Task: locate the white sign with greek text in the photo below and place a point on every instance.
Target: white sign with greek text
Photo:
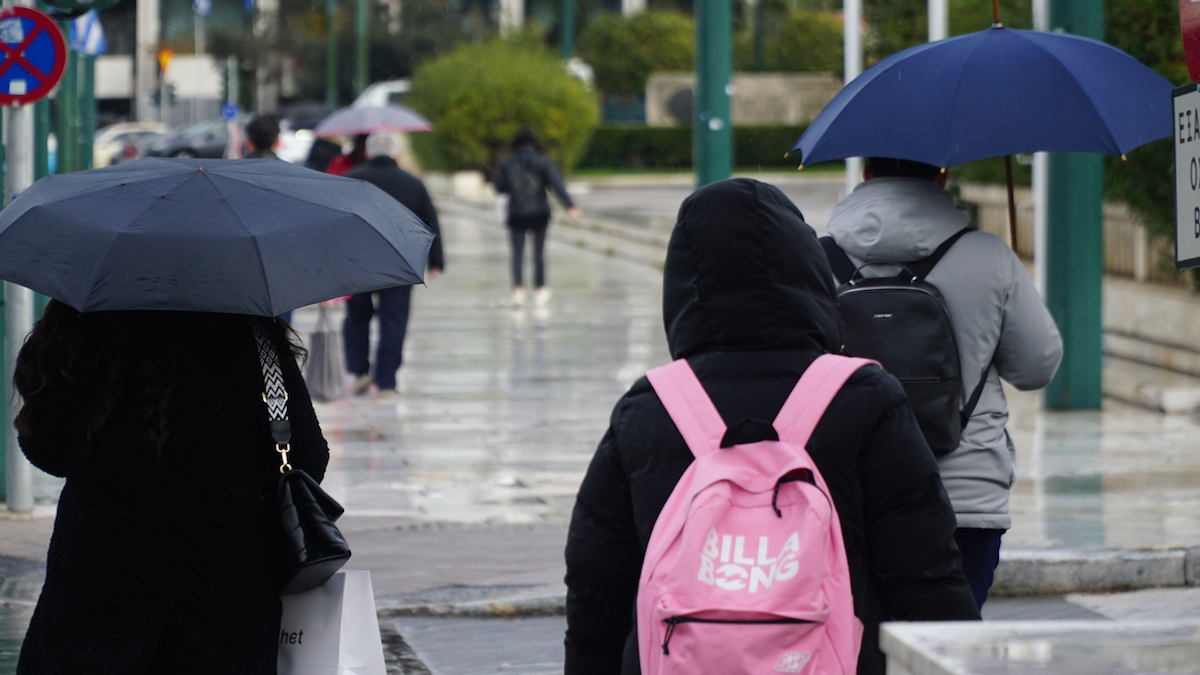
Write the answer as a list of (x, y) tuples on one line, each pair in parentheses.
[(1187, 176)]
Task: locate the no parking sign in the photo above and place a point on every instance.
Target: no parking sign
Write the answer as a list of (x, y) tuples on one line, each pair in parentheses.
[(33, 54)]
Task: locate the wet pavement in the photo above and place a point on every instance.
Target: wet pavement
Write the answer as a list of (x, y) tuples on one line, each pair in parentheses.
[(458, 490)]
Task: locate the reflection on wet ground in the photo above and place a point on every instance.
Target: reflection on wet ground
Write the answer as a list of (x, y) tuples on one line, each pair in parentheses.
[(14, 618), (501, 409)]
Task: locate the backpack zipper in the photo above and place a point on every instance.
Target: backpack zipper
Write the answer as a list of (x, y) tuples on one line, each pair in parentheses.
[(673, 621), (802, 475)]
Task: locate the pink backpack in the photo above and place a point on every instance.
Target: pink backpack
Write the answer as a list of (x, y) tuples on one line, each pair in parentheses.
[(746, 569)]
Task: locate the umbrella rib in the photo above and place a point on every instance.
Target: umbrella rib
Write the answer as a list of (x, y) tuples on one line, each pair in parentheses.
[(261, 263), (1084, 90)]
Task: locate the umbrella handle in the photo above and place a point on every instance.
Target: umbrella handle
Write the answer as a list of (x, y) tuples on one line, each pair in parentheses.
[(1012, 203)]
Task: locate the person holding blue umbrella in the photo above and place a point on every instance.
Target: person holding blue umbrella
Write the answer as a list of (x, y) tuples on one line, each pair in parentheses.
[(902, 214)]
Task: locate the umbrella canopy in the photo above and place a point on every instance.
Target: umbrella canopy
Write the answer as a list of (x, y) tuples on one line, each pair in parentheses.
[(370, 119), (996, 92), (254, 236)]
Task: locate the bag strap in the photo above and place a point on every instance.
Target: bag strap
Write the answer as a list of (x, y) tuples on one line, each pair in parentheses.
[(689, 406), (812, 395), (274, 394), (843, 268), (965, 414), (922, 268)]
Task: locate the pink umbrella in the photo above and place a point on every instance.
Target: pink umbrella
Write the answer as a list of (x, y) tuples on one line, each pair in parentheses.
[(371, 119)]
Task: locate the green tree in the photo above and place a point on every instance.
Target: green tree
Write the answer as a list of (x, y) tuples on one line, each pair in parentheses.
[(807, 42), (625, 51), (479, 95), (896, 25), (1149, 32)]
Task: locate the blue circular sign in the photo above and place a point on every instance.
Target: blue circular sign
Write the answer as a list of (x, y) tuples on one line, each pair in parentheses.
[(33, 54)]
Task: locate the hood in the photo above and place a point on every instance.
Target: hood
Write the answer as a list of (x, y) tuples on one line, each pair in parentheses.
[(745, 272), (894, 220)]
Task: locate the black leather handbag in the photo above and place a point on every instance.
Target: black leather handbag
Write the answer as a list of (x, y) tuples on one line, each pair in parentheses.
[(310, 546)]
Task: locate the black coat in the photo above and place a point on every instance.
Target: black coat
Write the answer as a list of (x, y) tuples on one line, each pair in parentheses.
[(162, 563), (748, 300), (385, 174), (525, 176)]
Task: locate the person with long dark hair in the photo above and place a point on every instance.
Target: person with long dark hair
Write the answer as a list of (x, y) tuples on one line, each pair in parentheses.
[(341, 164), (161, 557), (525, 176)]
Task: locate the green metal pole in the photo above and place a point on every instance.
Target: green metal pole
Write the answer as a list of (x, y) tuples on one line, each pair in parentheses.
[(65, 112), (712, 134), (760, 32), (361, 44), (566, 29), (41, 139), (87, 112), (1075, 245), (331, 53)]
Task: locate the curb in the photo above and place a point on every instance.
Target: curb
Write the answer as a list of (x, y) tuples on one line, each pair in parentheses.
[(1060, 571), (552, 604)]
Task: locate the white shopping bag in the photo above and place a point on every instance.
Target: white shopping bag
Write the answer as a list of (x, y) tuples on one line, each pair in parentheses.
[(332, 630)]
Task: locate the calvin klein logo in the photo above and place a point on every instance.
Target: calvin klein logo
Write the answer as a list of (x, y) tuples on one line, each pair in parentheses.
[(882, 315)]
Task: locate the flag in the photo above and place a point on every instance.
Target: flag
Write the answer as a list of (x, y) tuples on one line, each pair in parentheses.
[(87, 35)]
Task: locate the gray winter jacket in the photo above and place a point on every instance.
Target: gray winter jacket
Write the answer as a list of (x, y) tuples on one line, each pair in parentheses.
[(997, 313)]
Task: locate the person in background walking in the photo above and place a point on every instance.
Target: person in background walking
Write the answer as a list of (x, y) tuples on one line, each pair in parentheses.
[(382, 171), (341, 165), (162, 557), (524, 176), (748, 300), (902, 213), (262, 137)]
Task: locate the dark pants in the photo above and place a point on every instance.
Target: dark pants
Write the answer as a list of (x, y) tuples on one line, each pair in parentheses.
[(393, 323), (980, 554), (516, 232)]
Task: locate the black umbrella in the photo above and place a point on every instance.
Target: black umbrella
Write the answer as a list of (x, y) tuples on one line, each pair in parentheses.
[(254, 236)]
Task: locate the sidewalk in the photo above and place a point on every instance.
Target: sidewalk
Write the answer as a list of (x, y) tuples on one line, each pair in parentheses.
[(459, 491)]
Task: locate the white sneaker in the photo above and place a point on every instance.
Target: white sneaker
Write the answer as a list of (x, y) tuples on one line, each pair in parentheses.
[(518, 297), (361, 384), (541, 296)]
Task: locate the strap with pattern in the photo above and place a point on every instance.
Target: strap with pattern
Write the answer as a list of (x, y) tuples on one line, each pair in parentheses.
[(274, 394)]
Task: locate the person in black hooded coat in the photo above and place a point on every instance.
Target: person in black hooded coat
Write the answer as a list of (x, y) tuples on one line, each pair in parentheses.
[(748, 300)]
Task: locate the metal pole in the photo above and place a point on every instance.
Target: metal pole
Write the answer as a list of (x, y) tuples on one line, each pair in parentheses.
[(1041, 21), (41, 139), (852, 64), (938, 20), (18, 303), (566, 32), (198, 29), (1075, 245), (361, 44), (66, 112), (712, 141), (760, 35), (235, 80), (331, 53), (87, 112)]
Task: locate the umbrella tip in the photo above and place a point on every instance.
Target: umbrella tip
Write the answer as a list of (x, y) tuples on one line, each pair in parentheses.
[(1124, 158), (800, 168), (785, 155), (943, 170)]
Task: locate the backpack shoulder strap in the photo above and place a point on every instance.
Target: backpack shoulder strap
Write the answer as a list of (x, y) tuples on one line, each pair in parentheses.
[(839, 262), (689, 406), (807, 403), (922, 268)]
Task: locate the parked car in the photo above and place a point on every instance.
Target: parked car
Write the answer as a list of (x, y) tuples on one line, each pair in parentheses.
[(205, 139), (111, 141), (296, 123)]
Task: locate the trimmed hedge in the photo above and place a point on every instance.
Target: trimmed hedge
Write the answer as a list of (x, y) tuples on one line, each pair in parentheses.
[(638, 147)]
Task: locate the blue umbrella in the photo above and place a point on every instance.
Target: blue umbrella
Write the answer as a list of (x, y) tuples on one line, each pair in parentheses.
[(242, 236), (997, 92)]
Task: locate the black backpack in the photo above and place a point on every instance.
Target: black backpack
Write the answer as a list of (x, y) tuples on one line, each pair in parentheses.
[(903, 323)]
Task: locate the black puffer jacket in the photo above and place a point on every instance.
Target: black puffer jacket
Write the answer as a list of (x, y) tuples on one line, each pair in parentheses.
[(161, 561), (749, 302)]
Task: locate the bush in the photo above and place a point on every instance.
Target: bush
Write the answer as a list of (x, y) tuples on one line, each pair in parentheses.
[(803, 41), (613, 147), (478, 96), (625, 51)]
